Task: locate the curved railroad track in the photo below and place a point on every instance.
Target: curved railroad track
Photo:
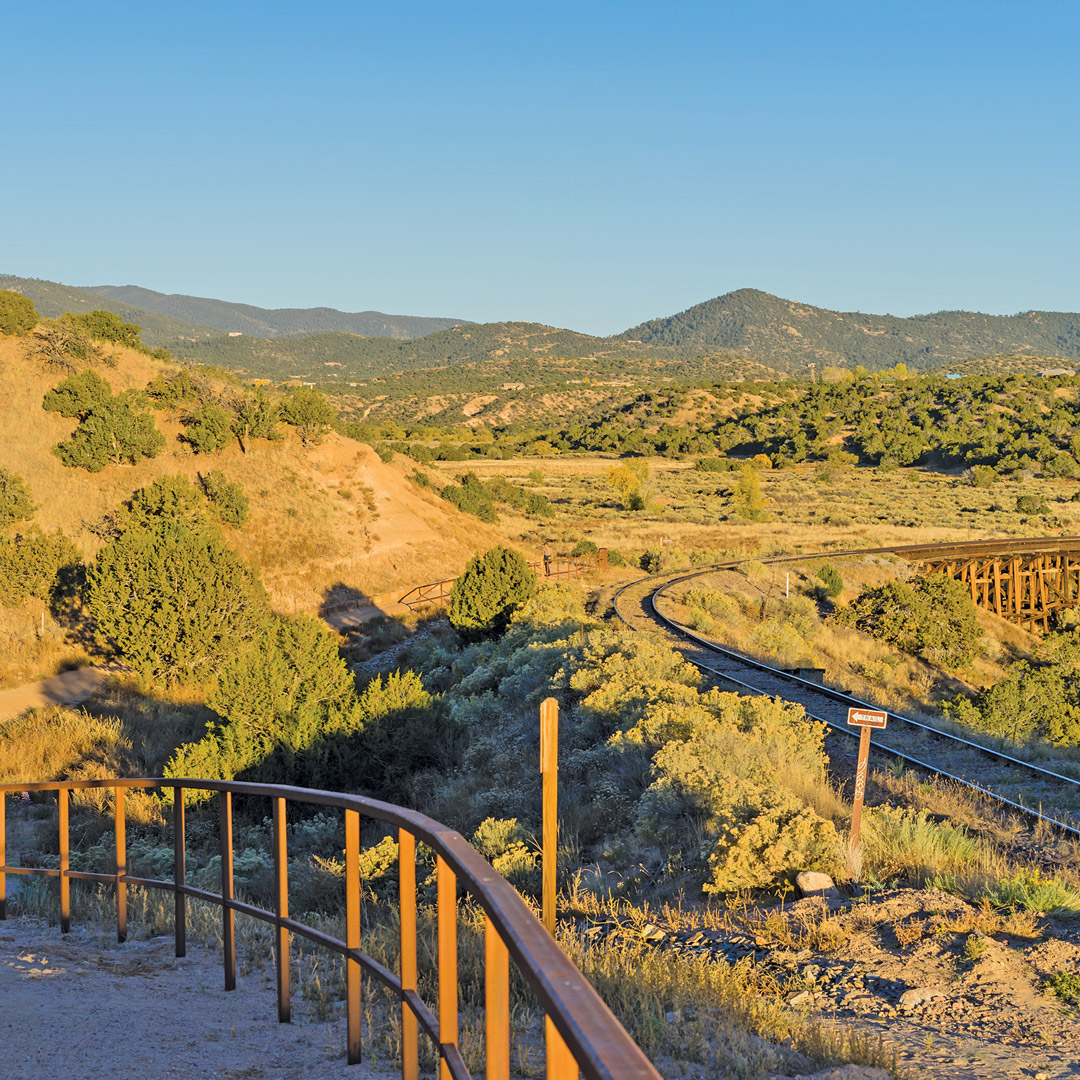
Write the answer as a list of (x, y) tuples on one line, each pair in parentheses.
[(1032, 790)]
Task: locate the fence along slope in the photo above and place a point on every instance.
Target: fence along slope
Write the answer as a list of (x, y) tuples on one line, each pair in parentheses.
[(596, 1041)]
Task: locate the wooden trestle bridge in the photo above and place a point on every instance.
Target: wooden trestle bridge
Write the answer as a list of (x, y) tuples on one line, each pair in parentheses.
[(1024, 581)]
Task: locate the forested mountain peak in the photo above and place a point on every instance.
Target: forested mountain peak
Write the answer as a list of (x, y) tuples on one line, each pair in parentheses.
[(792, 334)]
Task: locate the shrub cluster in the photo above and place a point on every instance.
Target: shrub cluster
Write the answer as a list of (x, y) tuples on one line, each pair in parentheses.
[(932, 617), (112, 430), (17, 313)]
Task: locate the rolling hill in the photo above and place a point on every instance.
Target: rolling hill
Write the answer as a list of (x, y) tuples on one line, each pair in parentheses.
[(790, 335), (709, 340), (325, 521), (272, 322)]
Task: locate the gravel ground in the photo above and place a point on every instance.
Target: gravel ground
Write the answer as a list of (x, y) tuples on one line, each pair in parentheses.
[(82, 1006)]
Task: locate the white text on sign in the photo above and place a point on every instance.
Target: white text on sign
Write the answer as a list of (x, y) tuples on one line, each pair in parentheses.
[(871, 718)]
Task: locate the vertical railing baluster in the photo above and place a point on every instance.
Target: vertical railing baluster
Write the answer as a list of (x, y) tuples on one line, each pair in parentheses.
[(179, 873), (446, 893), (496, 1003), (65, 881), (352, 935), (3, 854), (560, 1062), (228, 916), (120, 821), (410, 1046), (281, 909)]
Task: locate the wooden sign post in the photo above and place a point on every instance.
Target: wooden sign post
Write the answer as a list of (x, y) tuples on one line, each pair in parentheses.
[(866, 720)]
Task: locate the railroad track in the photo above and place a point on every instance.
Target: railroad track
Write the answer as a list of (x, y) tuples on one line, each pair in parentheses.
[(1033, 790)]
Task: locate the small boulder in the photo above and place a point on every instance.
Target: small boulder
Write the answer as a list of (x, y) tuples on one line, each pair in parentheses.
[(918, 995), (814, 883)]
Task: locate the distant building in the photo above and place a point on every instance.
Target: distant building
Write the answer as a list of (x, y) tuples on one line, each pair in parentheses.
[(1050, 372), (235, 333)]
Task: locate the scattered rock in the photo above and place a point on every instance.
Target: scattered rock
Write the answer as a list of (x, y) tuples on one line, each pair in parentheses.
[(918, 995), (801, 997), (813, 883)]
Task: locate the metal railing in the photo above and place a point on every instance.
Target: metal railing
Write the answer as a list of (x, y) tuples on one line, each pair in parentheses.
[(581, 1032), (559, 566)]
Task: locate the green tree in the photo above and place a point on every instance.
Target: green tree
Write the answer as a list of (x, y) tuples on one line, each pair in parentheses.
[(749, 500), (17, 313), (176, 601), (255, 416), (16, 503), (107, 326), (227, 499), (78, 395), (36, 563), (309, 412), (114, 433), (208, 428), (831, 582), (492, 588), (932, 617)]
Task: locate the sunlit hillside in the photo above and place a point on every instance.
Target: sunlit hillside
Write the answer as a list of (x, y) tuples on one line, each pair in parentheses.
[(321, 516)]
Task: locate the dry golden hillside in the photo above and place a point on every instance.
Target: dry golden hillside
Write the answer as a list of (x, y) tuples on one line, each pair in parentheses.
[(324, 516)]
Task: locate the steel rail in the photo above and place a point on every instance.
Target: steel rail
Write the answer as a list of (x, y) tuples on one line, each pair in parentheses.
[(597, 1043), (892, 751), (1038, 544)]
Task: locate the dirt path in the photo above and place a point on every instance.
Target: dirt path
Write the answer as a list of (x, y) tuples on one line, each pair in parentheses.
[(81, 1006), (67, 688)]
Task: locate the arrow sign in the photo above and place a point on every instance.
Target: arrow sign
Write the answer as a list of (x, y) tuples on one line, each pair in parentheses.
[(871, 718)]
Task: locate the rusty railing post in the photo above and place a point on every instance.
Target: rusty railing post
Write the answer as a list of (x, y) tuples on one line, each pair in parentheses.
[(228, 916), (281, 910), (3, 854), (410, 1050), (65, 881), (179, 872), (121, 863), (496, 1003), (352, 935), (446, 893)]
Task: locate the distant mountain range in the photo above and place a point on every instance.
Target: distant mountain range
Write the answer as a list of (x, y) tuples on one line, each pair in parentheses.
[(325, 345), (272, 322), (170, 319)]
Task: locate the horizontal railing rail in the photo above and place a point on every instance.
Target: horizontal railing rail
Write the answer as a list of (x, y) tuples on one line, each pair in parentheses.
[(582, 1033)]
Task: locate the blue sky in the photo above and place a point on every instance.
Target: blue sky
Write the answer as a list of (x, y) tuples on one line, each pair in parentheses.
[(588, 165)]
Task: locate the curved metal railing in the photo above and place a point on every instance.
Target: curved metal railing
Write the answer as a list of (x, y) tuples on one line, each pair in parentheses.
[(581, 1032)]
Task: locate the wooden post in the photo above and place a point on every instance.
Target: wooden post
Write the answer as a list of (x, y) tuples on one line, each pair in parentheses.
[(65, 881), (496, 1004), (549, 778), (410, 1051), (121, 864), (446, 905), (3, 855), (560, 1063), (352, 934), (179, 872), (228, 916), (281, 910)]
